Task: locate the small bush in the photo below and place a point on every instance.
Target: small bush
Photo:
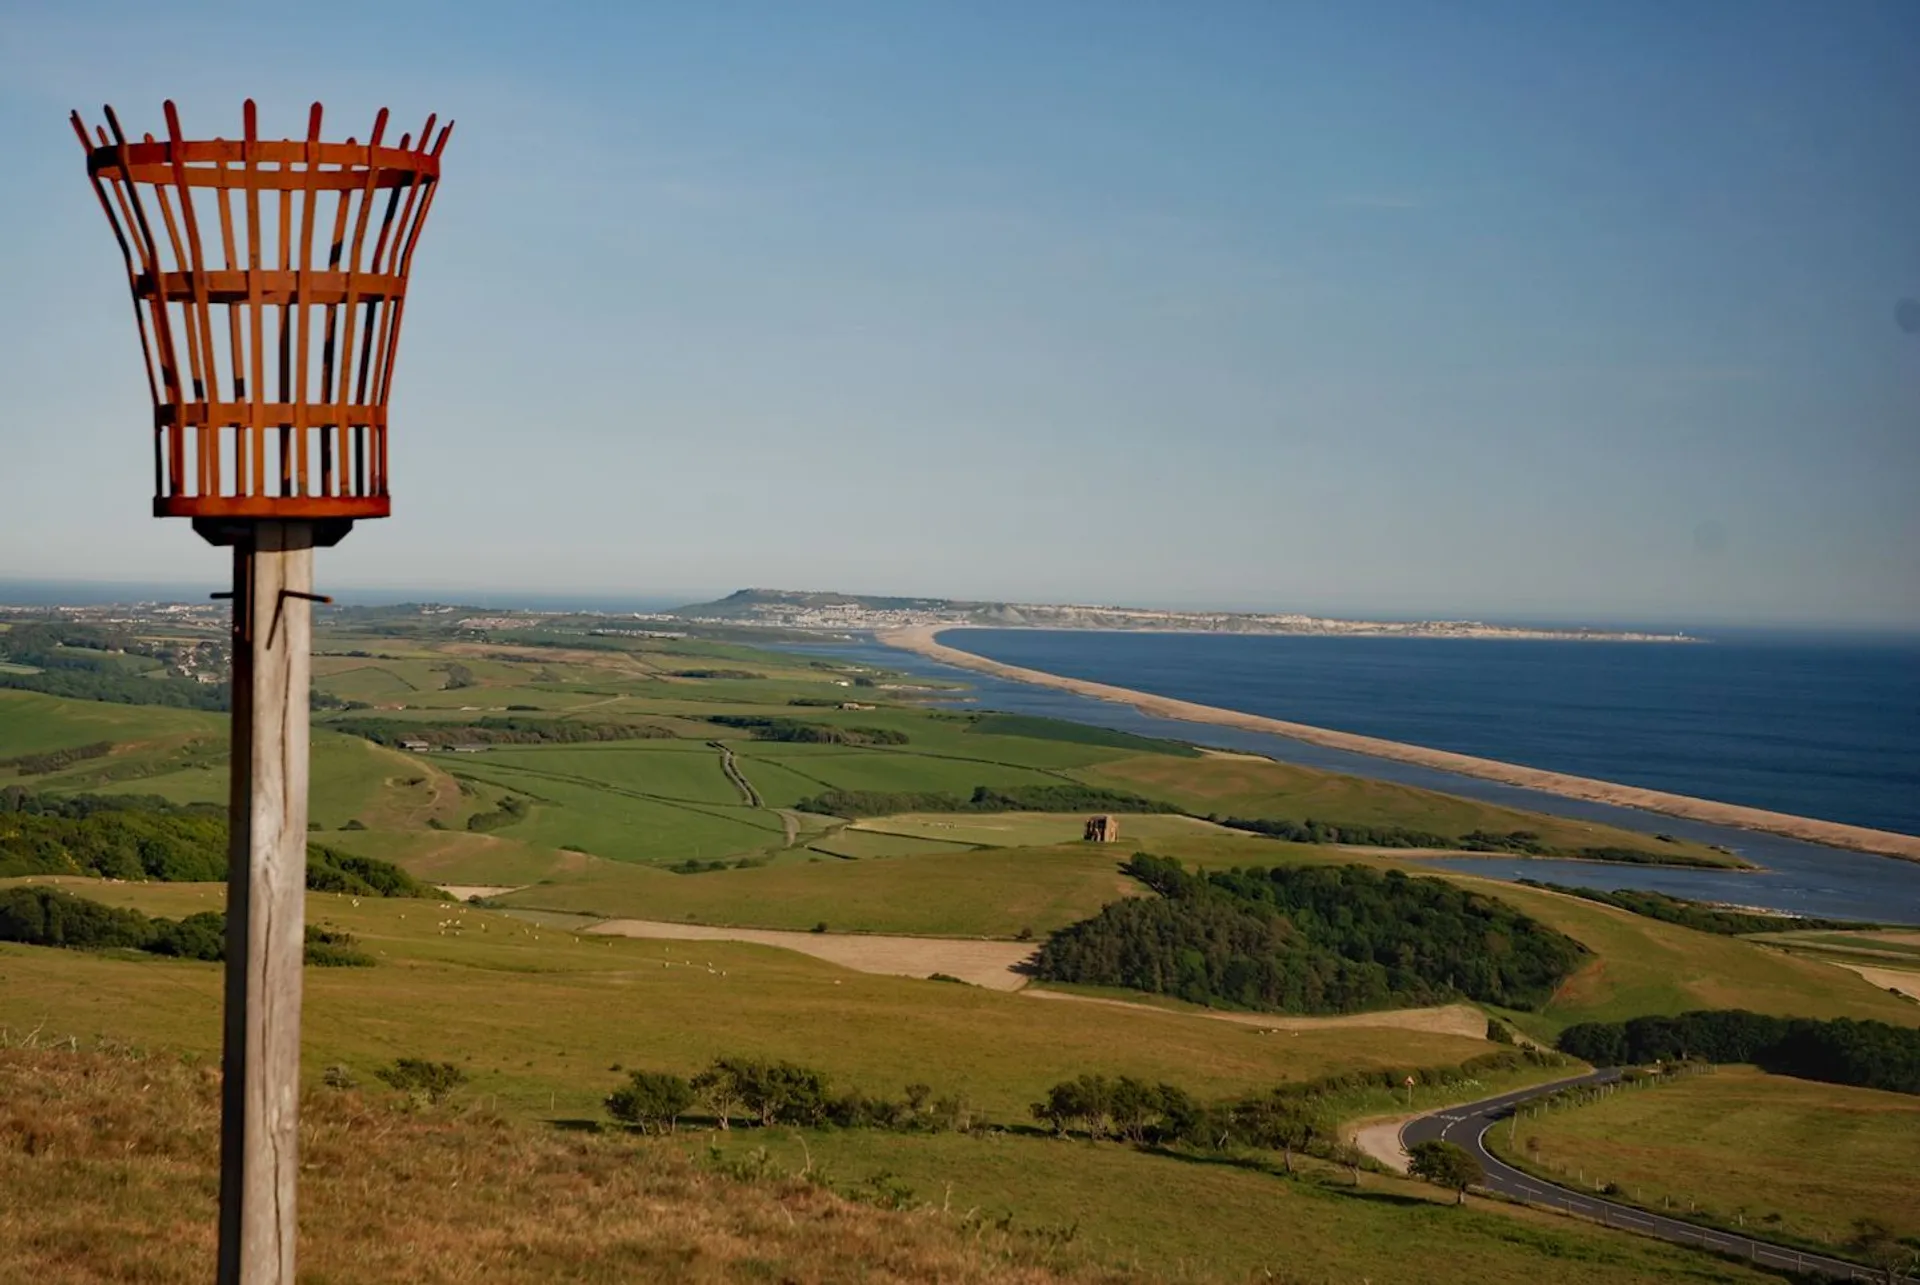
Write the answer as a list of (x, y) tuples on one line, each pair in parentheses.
[(331, 948), (653, 1100), (419, 1078)]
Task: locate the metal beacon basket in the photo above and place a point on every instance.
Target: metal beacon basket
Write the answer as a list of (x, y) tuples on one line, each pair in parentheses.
[(269, 282)]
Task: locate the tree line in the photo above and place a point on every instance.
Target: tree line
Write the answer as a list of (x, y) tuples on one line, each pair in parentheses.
[(495, 731), (55, 760), (765, 1092), (39, 916), (1525, 843), (768, 728), (1866, 1054), (1311, 939), (1296, 1119), (142, 837), (1697, 915), (985, 798)]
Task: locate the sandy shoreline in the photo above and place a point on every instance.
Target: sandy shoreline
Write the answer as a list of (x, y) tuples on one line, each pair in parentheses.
[(924, 641)]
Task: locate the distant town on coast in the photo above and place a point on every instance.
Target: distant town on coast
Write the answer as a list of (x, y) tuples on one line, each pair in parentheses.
[(790, 609)]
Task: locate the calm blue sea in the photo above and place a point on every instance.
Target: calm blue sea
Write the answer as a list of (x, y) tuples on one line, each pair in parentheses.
[(1367, 686), (1825, 728)]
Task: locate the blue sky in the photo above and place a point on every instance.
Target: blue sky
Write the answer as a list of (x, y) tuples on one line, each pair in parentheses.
[(1522, 311)]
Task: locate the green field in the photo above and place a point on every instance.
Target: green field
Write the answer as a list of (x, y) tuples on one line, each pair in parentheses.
[(503, 1000), (32, 724), (991, 893), (1182, 1218), (1245, 786), (1040, 829), (538, 1015), (1645, 966), (1766, 1153), (854, 844)]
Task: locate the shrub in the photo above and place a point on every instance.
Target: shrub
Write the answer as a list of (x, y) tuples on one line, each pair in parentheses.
[(49, 917), (770, 1092), (422, 1079), (653, 1100), (331, 948), (1445, 1164), (201, 936)]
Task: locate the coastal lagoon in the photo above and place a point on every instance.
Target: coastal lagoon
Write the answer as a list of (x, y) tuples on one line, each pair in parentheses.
[(1815, 728), (1800, 878)]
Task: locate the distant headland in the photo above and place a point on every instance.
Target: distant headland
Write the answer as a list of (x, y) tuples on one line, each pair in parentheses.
[(793, 609)]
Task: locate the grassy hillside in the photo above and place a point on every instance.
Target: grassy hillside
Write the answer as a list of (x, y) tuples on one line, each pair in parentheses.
[(539, 1018), (1175, 1217), (114, 1144), (1776, 1155), (992, 893), (1245, 786), (1645, 966), (109, 1164), (538, 1014)]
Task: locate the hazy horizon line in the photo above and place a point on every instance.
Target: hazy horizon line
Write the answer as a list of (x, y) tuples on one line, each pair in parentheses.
[(46, 591)]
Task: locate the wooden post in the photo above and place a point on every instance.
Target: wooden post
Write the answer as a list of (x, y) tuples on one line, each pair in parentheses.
[(266, 890)]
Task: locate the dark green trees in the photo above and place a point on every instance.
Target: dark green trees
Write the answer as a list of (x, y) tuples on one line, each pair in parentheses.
[(1311, 939), (1445, 1165), (1123, 1107), (653, 1100)]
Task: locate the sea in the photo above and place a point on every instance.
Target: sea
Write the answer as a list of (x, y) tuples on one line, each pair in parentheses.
[(1825, 727)]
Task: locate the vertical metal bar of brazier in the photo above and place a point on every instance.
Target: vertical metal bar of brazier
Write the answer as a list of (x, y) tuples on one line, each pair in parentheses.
[(266, 887)]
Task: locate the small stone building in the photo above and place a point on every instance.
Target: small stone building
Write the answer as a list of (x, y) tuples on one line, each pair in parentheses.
[(1103, 829)]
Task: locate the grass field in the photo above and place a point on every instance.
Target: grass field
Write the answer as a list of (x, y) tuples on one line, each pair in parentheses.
[(459, 856), (1239, 785), (1790, 1157), (538, 1015), (991, 893), (1184, 1217), (33, 724), (114, 1178), (1645, 966), (504, 1001), (1040, 829), (857, 844)]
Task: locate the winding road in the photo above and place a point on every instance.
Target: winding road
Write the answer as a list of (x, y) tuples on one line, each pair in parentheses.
[(1467, 1127)]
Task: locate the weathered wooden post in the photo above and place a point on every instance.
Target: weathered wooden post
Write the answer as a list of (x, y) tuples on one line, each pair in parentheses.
[(270, 433)]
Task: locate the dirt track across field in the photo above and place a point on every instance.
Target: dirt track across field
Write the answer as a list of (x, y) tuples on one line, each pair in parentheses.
[(991, 964), (924, 641), (464, 891), (1892, 979)]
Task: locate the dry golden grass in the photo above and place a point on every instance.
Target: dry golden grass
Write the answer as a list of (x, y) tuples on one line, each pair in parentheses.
[(108, 1165)]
